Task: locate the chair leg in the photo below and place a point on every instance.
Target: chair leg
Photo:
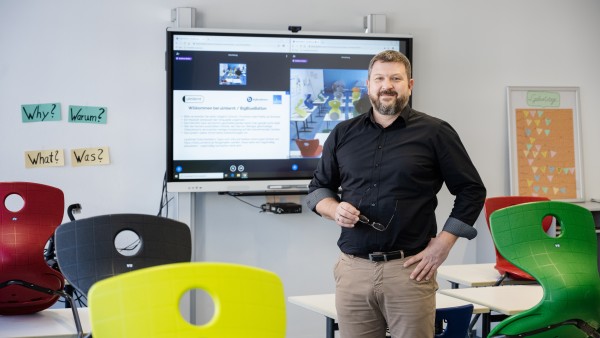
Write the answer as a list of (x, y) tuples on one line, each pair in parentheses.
[(60, 293), (76, 318)]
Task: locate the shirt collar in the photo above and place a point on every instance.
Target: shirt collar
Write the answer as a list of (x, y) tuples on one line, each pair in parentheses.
[(400, 122)]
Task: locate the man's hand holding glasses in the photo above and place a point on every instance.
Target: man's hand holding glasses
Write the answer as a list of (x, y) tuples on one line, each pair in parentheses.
[(347, 216)]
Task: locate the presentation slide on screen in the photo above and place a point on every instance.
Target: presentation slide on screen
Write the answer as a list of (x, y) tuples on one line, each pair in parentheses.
[(221, 125)]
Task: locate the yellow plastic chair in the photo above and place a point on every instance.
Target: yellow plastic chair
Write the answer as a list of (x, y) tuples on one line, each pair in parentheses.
[(248, 302)]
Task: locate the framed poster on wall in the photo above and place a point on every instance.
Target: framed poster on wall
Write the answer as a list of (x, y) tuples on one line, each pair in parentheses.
[(545, 142)]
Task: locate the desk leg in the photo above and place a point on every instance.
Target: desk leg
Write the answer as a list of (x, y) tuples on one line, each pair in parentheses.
[(297, 130), (331, 327), (486, 323), (306, 128)]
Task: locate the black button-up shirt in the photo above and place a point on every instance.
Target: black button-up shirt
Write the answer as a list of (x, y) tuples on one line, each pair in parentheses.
[(392, 175)]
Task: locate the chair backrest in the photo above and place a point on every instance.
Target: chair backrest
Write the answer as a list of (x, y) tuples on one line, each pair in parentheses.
[(23, 236), (565, 266), (248, 302), (495, 203), (457, 320), (91, 249), (309, 148)]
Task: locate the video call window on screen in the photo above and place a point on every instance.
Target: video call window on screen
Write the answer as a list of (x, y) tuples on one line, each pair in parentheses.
[(253, 110), (232, 74)]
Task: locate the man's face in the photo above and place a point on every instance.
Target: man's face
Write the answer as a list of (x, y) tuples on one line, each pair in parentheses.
[(389, 87)]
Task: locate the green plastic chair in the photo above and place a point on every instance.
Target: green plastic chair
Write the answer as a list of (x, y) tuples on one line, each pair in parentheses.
[(248, 302), (566, 266)]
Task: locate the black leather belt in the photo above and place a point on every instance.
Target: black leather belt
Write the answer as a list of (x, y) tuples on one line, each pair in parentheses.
[(388, 256)]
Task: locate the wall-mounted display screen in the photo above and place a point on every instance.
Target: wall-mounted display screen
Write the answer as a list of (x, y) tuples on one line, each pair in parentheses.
[(250, 111)]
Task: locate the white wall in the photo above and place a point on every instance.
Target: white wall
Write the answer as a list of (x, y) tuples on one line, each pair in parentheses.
[(111, 53)]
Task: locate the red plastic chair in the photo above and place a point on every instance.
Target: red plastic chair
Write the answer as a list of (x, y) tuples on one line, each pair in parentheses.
[(309, 148), (27, 283), (494, 203)]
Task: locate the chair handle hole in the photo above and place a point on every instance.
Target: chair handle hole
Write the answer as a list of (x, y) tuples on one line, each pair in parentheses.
[(128, 243), (203, 301), (14, 202)]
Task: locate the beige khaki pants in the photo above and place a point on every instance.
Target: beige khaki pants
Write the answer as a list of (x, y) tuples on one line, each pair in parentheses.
[(371, 296)]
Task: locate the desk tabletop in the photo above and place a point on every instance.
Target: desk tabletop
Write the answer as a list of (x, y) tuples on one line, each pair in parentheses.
[(325, 303), (322, 137), (342, 117), (473, 275), (443, 301), (55, 323), (591, 206), (506, 299), (318, 101)]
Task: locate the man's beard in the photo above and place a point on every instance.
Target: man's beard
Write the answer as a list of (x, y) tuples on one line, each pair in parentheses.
[(389, 109)]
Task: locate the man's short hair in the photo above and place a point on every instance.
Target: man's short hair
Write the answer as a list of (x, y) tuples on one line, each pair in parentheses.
[(391, 56)]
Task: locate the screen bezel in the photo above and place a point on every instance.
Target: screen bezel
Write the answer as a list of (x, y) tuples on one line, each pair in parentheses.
[(293, 182)]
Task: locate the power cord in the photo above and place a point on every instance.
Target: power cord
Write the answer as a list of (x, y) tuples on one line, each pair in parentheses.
[(250, 204), (50, 249), (266, 207), (276, 208), (164, 199)]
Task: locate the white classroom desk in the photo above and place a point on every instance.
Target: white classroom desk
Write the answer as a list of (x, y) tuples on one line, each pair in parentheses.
[(324, 304), (297, 118), (474, 275), (51, 323), (505, 299), (320, 104), (483, 275), (471, 275), (327, 118)]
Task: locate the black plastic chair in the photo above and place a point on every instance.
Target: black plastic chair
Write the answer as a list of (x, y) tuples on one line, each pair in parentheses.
[(95, 248)]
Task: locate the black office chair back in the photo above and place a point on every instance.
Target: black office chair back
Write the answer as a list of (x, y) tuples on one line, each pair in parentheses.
[(95, 248)]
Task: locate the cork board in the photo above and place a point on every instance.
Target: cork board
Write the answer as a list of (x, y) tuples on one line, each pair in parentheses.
[(544, 137)]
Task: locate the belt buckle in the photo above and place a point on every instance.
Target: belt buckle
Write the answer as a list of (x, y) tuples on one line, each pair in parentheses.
[(374, 255)]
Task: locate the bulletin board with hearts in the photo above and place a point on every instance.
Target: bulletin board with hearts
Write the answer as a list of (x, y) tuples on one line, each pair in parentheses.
[(545, 147)]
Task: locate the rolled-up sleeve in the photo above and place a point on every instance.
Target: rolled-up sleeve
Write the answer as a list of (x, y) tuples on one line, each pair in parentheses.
[(314, 197), (459, 228)]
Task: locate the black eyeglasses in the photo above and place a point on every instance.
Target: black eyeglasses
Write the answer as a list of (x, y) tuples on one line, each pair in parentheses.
[(375, 225)]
